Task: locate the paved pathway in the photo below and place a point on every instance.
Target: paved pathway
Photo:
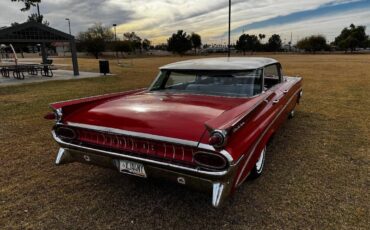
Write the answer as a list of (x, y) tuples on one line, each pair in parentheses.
[(58, 75)]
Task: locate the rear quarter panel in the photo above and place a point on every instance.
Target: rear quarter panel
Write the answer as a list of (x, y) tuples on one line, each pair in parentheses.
[(248, 142)]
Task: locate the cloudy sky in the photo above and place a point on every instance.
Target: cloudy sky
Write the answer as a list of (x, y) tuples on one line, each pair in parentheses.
[(158, 19)]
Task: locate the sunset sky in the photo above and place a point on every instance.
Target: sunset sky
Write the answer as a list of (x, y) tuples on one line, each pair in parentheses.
[(158, 19)]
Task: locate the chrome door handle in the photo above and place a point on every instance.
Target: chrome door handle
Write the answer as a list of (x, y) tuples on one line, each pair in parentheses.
[(275, 101)]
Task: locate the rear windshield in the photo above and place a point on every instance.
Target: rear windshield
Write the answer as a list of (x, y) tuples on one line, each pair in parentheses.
[(226, 83)]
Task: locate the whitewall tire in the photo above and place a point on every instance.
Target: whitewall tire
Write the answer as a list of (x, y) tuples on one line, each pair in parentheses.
[(258, 167)]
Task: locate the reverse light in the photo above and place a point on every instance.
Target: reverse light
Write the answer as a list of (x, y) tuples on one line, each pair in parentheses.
[(210, 160)]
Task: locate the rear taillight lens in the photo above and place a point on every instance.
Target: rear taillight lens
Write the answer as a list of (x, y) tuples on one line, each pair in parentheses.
[(65, 133), (50, 116), (217, 139), (210, 160), (56, 115)]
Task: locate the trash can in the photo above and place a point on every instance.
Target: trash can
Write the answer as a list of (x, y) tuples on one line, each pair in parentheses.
[(104, 66)]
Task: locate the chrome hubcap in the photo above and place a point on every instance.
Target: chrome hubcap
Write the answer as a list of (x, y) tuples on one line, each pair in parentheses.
[(261, 160)]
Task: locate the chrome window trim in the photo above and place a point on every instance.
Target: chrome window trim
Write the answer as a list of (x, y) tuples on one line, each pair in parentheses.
[(154, 137), (151, 91)]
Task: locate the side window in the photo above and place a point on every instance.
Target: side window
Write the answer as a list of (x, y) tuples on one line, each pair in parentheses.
[(271, 76)]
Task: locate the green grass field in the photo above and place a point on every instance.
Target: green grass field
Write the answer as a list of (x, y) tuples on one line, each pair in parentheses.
[(316, 175)]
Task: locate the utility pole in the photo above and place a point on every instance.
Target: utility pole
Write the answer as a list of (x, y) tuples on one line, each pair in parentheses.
[(115, 39), (69, 25), (229, 43), (38, 10), (115, 32)]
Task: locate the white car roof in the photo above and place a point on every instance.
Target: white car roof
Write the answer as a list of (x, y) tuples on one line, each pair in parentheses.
[(223, 63)]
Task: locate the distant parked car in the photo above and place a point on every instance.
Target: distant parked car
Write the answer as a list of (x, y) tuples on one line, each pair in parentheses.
[(202, 123)]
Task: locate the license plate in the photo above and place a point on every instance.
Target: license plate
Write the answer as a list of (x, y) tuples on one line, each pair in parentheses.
[(132, 168)]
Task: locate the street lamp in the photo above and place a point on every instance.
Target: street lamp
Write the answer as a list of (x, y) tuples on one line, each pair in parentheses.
[(69, 25), (228, 47), (38, 10), (115, 32)]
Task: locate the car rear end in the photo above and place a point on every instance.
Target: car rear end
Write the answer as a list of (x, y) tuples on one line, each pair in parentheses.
[(188, 163)]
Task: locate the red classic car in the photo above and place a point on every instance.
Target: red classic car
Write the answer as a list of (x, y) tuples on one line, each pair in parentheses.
[(202, 123)]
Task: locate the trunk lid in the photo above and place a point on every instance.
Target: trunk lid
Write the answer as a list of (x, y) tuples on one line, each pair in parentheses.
[(169, 115)]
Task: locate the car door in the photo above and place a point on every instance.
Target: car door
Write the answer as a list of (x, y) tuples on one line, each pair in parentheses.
[(288, 89), (276, 101), (268, 119)]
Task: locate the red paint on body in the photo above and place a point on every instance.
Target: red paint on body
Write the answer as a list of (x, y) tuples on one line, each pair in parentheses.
[(170, 115)]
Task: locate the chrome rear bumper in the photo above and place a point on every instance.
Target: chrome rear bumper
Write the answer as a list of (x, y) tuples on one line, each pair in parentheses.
[(217, 183)]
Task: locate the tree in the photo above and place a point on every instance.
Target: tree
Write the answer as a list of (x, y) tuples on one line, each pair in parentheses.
[(27, 3), (122, 46), (38, 19), (134, 39), (313, 43), (261, 36), (247, 42), (274, 43), (163, 47), (146, 44), (352, 38), (94, 40), (196, 41), (241, 43), (179, 42)]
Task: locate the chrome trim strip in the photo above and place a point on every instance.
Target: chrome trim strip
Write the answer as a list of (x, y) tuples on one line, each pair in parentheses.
[(218, 189), (153, 137), (226, 154), (259, 140), (210, 166), (162, 93), (112, 154), (59, 158), (71, 130), (133, 134)]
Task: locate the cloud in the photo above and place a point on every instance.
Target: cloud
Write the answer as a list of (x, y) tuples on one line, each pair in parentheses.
[(329, 25), (82, 13), (158, 19)]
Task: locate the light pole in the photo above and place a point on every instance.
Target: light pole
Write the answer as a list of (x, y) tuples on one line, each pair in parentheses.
[(115, 32), (229, 43), (69, 25), (38, 10), (115, 38)]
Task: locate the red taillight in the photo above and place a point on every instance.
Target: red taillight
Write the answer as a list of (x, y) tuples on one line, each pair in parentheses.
[(50, 116), (135, 145), (217, 139), (210, 160)]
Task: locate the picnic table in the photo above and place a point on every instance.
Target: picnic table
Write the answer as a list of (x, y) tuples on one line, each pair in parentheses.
[(19, 71)]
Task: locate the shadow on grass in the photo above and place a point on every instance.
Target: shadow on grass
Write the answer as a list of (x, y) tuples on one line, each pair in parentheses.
[(150, 200)]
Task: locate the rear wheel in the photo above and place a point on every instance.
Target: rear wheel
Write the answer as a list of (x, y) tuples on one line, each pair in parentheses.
[(258, 167)]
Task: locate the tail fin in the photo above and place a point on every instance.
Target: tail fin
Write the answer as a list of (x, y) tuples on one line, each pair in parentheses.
[(230, 121)]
